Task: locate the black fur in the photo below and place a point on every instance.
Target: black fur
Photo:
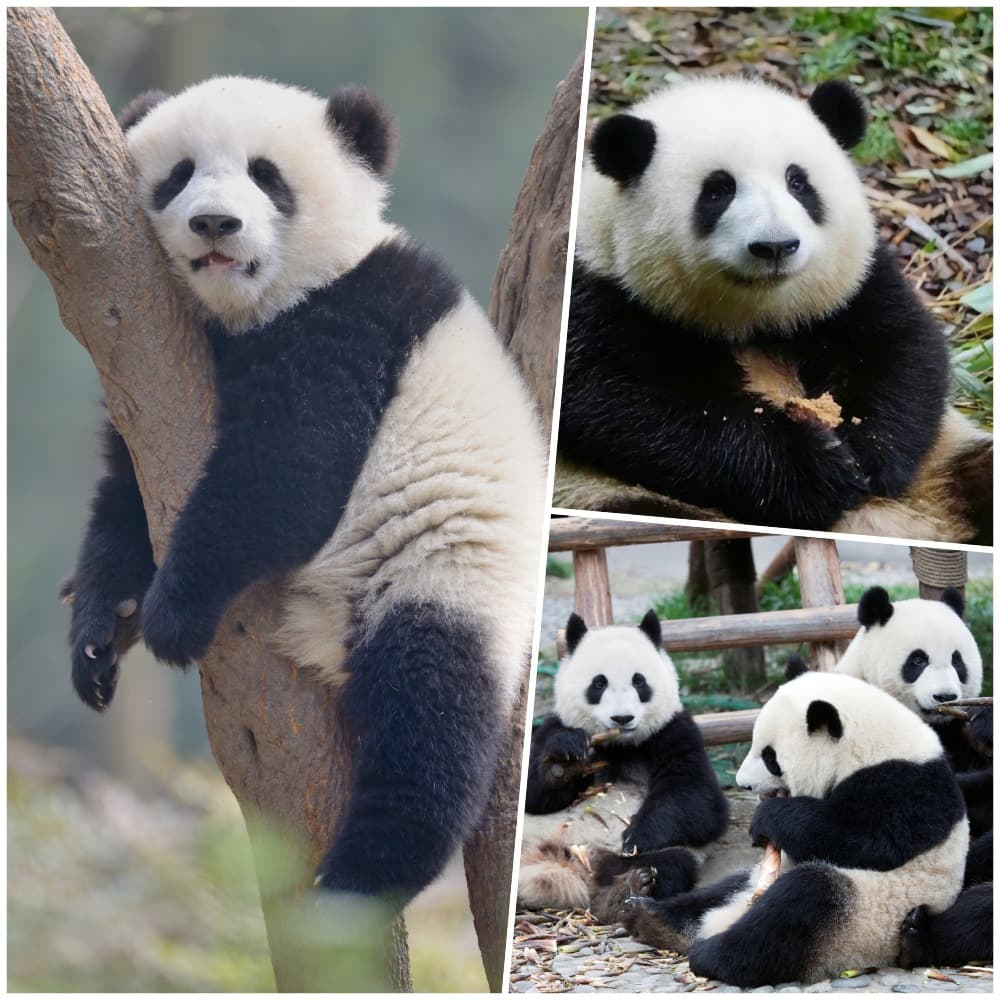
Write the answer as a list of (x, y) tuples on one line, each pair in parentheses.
[(622, 146), (683, 804), (821, 715), (717, 192), (793, 917), (878, 818), (267, 177), (172, 185), (576, 629), (359, 117), (962, 933), (840, 108), (300, 400), (653, 401), (650, 626), (874, 608), (115, 564), (804, 193), (979, 860), (139, 107), (423, 763), (795, 666), (953, 598)]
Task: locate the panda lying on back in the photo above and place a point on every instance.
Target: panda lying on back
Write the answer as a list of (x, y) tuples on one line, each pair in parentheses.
[(860, 800), (616, 679), (359, 394), (727, 277)]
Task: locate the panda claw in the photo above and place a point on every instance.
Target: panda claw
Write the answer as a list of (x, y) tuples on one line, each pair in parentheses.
[(90, 651)]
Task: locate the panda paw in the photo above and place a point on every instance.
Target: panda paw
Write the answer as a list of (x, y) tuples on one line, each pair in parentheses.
[(765, 826), (914, 935), (567, 745), (176, 630), (641, 883), (638, 838), (98, 634), (981, 729)]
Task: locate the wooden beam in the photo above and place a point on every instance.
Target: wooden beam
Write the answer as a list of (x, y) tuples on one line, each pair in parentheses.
[(569, 533), (687, 635), (727, 727)]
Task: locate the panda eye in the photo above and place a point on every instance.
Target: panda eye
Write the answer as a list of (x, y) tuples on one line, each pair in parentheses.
[(770, 759), (266, 175), (172, 185), (960, 668), (262, 170), (600, 682), (719, 186), (638, 681), (795, 178), (918, 658)]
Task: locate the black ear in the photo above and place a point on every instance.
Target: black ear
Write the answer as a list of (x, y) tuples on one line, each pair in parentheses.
[(139, 107), (576, 629), (874, 608), (650, 626), (622, 146), (795, 667), (822, 715), (840, 108), (953, 598), (363, 121)]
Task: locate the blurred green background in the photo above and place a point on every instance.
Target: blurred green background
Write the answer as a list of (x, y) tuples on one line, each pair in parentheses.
[(128, 868)]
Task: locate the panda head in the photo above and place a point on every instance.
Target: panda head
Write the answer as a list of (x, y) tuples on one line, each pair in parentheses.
[(820, 728), (921, 652), (259, 192), (616, 676), (729, 204)]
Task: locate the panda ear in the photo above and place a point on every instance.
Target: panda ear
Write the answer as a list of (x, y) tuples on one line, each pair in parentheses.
[(576, 629), (366, 125), (650, 626), (139, 107), (795, 667), (874, 608), (622, 146), (840, 108), (953, 598), (822, 715)]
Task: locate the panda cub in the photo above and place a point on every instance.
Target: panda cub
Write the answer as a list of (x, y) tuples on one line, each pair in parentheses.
[(664, 792), (861, 802), (737, 337), (359, 392)]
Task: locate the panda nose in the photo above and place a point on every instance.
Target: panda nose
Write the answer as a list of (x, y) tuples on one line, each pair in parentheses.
[(944, 696), (622, 720), (214, 226), (773, 251)]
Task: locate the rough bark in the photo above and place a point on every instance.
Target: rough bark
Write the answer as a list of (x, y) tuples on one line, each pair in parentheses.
[(526, 309)]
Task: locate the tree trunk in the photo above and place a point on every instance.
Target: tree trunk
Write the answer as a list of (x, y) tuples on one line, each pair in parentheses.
[(526, 309)]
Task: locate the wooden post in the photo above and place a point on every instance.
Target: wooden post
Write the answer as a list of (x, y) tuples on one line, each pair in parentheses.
[(937, 569), (593, 588), (821, 587)]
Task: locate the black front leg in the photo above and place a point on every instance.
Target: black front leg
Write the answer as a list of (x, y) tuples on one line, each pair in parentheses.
[(112, 574), (554, 778)]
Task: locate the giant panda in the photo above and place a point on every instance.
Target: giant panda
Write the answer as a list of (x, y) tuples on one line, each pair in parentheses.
[(738, 339), (664, 795), (859, 798), (360, 390)]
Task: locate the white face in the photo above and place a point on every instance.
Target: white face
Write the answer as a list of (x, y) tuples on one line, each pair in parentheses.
[(748, 215), (253, 196), (872, 726), (617, 678), (924, 656)]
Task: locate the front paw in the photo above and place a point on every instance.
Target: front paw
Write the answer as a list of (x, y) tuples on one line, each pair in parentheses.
[(981, 729), (176, 629), (98, 634), (763, 825), (638, 838)]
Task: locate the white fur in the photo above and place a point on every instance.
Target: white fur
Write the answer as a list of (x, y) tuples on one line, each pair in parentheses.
[(618, 652), (223, 123), (644, 233), (877, 654)]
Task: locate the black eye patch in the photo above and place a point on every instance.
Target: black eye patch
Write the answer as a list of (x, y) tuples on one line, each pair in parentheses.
[(267, 177), (960, 668), (642, 688), (770, 759), (595, 690), (799, 187), (172, 185), (717, 193), (914, 665)]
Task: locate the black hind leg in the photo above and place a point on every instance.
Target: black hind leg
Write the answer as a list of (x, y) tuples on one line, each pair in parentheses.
[(962, 933), (423, 705), (660, 874)]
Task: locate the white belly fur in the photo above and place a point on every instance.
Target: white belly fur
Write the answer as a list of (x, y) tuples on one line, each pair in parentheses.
[(449, 507)]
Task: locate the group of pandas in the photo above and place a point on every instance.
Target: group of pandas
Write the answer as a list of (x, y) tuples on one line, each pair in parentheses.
[(869, 793)]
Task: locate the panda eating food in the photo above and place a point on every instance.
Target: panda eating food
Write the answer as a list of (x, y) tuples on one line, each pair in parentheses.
[(860, 801), (738, 339), (618, 718), (359, 390)]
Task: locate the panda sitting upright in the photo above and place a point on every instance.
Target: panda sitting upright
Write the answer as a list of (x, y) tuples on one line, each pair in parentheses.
[(738, 339), (860, 801), (359, 389), (664, 793)]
